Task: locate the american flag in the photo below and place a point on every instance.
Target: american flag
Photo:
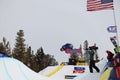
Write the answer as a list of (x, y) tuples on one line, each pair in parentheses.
[(94, 5)]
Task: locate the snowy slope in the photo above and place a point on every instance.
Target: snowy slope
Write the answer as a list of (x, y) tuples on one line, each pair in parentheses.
[(12, 69), (68, 70), (89, 76)]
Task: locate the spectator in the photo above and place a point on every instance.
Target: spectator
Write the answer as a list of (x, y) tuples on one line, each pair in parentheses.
[(92, 60)]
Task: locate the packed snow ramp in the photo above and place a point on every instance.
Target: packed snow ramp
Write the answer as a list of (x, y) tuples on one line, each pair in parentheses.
[(55, 70), (12, 69)]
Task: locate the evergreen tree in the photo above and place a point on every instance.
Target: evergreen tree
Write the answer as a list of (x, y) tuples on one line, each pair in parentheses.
[(34, 64), (50, 60), (39, 55), (19, 50), (39, 58), (45, 60), (5, 47), (27, 56)]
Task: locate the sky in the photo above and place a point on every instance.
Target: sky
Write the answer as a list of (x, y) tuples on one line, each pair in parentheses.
[(52, 23)]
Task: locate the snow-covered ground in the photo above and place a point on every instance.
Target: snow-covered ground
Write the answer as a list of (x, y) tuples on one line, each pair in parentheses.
[(68, 70), (12, 69)]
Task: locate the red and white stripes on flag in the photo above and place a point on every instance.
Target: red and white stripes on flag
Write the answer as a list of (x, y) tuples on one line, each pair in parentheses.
[(94, 5)]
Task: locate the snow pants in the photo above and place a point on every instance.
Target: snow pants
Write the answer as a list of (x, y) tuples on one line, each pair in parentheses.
[(92, 65)]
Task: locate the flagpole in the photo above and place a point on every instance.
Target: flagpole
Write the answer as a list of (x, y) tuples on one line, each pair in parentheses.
[(116, 26)]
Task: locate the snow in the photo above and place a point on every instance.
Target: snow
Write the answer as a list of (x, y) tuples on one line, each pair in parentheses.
[(12, 69), (68, 70), (89, 76)]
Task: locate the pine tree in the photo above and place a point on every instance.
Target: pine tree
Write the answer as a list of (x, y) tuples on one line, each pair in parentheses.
[(45, 60), (39, 55), (51, 61), (5, 47), (19, 50), (39, 58), (34, 64), (27, 56)]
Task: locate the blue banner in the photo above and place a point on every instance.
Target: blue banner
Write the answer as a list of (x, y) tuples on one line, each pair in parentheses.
[(3, 55), (112, 29)]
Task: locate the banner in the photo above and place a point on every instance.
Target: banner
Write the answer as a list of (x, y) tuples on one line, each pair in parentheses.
[(112, 29)]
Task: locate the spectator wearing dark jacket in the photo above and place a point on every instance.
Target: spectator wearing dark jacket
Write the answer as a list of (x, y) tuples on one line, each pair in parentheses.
[(92, 60), (109, 55)]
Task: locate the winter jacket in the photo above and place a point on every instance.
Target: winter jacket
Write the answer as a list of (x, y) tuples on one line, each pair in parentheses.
[(117, 49), (92, 55)]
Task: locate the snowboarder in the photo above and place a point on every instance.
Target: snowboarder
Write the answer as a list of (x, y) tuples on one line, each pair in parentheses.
[(92, 59)]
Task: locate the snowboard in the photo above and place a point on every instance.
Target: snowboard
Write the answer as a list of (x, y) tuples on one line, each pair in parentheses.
[(113, 41)]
